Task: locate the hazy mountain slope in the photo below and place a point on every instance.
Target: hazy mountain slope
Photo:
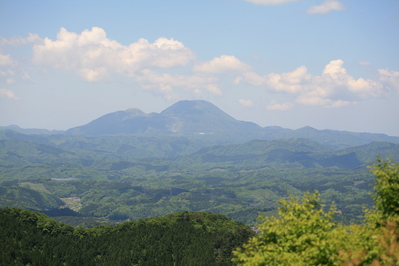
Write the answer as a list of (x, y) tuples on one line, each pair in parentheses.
[(368, 152), (289, 153), (199, 119), (334, 138), (260, 153), (31, 131), (131, 121)]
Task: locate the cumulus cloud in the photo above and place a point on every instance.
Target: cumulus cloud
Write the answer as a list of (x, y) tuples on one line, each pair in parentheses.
[(93, 55), (18, 41), (279, 106), (4, 93), (270, 2), (334, 88), (245, 103), (326, 7), (290, 82), (224, 63)]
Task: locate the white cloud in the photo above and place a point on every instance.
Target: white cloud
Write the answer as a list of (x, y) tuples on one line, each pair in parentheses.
[(270, 2), (326, 7), (213, 88), (287, 82), (224, 63), (6, 60), (93, 55), (334, 88), (389, 78), (245, 103), (4, 93), (94, 74), (364, 63), (18, 41), (279, 106), (306, 100), (165, 83)]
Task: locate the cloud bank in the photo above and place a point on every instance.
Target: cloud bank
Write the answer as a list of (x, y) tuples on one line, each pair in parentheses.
[(334, 88), (157, 67), (93, 55)]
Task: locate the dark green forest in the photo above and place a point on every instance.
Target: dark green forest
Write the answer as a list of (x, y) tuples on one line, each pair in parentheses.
[(186, 238)]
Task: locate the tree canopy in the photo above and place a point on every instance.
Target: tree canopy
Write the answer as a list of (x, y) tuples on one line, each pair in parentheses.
[(306, 234)]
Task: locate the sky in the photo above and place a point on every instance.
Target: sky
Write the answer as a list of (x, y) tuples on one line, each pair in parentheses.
[(328, 64)]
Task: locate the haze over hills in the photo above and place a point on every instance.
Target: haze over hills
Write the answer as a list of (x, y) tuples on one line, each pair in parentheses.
[(202, 121)]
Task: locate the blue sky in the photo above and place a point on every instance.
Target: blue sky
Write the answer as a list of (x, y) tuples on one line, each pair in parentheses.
[(329, 64)]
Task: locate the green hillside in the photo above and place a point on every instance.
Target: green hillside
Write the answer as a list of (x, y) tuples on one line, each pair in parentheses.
[(135, 177), (187, 238)]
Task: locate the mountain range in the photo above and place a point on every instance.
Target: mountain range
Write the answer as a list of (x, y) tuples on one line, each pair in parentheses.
[(201, 120)]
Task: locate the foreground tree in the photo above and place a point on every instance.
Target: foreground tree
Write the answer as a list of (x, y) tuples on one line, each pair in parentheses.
[(306, 234)]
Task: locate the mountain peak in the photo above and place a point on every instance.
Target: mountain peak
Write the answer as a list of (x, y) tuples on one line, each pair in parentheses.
[(193, 107)]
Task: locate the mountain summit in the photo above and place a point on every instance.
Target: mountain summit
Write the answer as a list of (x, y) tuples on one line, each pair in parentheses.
[(201, 119), (187, 118)]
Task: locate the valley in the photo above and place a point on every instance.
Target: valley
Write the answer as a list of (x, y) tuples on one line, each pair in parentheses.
[(143, 169)]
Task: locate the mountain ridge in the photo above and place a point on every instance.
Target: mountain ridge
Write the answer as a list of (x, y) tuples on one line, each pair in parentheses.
[(201, 120)]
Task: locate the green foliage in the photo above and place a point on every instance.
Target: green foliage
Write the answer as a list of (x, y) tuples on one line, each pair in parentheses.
[(179, 239), (305, 234), (386, 195)]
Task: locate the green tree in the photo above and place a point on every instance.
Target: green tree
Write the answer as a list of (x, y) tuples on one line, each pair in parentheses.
[(305, 234), (386, 195)]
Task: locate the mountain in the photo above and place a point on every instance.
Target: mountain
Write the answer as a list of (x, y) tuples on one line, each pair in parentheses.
[(184, 118), (292, 153), (196, 120), (131, 121), (333, 138), (203, 120), (31, 131)]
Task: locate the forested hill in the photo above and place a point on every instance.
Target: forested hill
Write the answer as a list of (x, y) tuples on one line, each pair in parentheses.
[(187, 238)]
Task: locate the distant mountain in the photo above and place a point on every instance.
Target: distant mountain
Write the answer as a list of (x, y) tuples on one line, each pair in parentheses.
[(332, 138), (293, 153), (184, 118), (367, 153), (31, 131), (200, 121)]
